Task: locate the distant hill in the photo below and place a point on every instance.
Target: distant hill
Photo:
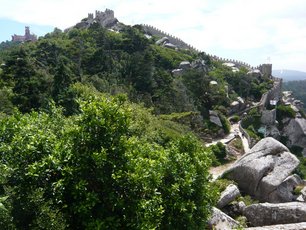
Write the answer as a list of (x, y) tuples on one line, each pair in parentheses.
[(298, 88), (290, 75)]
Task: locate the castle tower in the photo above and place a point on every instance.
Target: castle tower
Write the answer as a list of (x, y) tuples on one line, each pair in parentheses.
[(266, 69), (90, 16), (27, 35)]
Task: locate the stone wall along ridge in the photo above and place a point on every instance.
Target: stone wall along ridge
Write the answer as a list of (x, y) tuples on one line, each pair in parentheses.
[(179, 42)]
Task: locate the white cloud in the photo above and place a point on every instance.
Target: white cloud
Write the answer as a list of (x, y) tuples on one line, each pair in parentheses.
[(246, 29)]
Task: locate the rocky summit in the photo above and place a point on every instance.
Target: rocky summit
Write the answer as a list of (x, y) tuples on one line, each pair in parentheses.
[(265, 172)]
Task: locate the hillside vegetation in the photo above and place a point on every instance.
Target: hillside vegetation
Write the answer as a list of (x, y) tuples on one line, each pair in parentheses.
[(97, 133), (298, 88)]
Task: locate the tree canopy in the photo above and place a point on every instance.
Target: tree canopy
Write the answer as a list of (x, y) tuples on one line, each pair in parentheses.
[(101, 169)]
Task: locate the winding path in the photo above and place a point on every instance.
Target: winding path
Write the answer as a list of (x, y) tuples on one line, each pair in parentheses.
[(217, 171)]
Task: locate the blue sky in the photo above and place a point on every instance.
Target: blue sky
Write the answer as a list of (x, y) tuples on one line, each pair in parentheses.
[(252, 31), (9, 27)]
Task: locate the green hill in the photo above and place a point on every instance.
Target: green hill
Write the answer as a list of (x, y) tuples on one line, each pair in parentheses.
[(98, 132)]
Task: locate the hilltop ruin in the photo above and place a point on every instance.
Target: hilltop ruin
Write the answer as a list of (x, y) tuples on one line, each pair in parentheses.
[(26, 37)]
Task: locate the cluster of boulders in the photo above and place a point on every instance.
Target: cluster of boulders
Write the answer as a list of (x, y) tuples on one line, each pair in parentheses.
[(266, 173), (288, 99), (166, 43), (237, 105), (198, 64), (292, 129), (231, 65), (295, 131)]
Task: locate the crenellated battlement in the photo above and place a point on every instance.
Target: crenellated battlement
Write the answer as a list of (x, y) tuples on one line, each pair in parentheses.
[(265, 69), (151, 30), (90, 16), (106, 14), (227, 60), (106, 19)]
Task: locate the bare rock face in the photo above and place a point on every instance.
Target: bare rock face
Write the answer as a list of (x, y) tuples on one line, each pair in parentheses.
[(220, 221), (185, 65), (214, 118), (296, 132), (272, 214), (285, 190), (170, 46), (228, 195), (297, 226), (199, 64), (162, 41), (177, 72), (264, 172), (255, 73), (237, 105)]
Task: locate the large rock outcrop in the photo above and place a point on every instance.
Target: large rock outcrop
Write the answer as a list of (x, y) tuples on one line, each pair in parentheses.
[(220, 221), (264, 172), (297, 226), (228, 195), (272, 214), (214, 118), (296, 132)]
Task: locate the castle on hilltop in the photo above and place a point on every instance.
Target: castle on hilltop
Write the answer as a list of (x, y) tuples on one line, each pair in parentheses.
[(26, 37), (106, 19)]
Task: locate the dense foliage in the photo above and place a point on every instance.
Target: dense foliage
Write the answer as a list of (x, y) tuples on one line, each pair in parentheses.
[(283, 111), (117, 62), (74, 158), (218, 153), (101, 169), (298, 88)]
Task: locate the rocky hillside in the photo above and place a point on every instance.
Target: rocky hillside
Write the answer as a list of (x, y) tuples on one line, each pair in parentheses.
[(112, 58), (267, 184), (298, 89), (265, 173), (102, 127)]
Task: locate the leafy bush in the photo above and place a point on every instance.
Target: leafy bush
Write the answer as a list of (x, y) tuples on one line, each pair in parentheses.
[(237, 143), (219, 151), (248, 200), (252, 133), (98, 170), (221, 184), (225, 123), (283, 111), (235, 118)]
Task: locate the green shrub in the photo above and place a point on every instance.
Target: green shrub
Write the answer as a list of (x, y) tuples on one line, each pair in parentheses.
[(219, 153), (242, 220), (283, 111), (248, 200), (101, 169), (237, 143), (225, 123), (297, 190), (221, 184), (235, 118)]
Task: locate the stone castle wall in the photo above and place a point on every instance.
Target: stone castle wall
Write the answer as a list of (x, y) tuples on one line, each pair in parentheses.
[(273, 94), (26, 37), (151, 30), (265, 69)]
